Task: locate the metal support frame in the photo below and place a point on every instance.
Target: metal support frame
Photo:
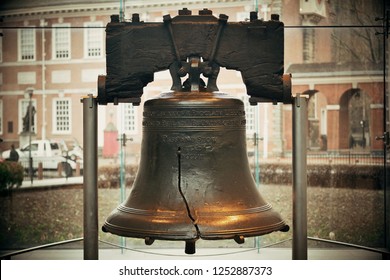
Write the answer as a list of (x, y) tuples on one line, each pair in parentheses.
[(91, 239), (299, 246)]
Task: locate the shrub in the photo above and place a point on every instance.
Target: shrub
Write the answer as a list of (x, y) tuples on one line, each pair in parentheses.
[(11, 175), (336, 176), (109, 176)]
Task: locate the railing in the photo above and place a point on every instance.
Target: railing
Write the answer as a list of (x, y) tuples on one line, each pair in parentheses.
[(8, 256), (327, 158), (345, 157)]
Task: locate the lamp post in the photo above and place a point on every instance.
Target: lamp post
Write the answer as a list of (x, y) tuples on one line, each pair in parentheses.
[(363, 124), (29, 93)]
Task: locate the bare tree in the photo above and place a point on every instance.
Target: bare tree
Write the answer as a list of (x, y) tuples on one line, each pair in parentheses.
[(354, 37)]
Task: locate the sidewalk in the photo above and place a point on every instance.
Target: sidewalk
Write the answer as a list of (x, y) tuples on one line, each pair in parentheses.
[(55, 182)]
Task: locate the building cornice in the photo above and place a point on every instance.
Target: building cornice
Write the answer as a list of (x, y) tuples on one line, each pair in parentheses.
[(336, 80), (112, 7)]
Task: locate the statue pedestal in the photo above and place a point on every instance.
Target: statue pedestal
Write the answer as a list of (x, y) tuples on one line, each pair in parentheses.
[(24, 138)]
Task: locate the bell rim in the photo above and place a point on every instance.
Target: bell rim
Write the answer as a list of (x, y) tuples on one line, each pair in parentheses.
[(192, 234)]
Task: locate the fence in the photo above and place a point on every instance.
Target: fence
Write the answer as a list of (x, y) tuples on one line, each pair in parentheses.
[(326, 158), (44, 169), (345, 157)]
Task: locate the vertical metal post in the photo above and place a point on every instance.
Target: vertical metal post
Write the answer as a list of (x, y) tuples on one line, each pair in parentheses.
[(122, 10), (257, 174), (30, 121), (91, 246), (299, 249), (122, 181)]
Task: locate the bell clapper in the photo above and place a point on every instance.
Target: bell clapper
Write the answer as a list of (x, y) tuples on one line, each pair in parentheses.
[(286, 228), (190, 247), (239, 239), (149, 241)]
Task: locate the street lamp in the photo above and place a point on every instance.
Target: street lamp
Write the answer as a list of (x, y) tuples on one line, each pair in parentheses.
[(29, 94), (363, 124)]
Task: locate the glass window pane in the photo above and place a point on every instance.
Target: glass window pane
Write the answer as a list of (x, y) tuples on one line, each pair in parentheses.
[(27, 44), (61, 35), (94, 39), (335, 56), (62, 116)]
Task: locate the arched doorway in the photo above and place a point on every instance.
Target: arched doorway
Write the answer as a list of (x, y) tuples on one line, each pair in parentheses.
[(355, 120)]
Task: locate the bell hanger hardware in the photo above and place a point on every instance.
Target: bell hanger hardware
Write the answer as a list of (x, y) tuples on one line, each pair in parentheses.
[(194, 180)]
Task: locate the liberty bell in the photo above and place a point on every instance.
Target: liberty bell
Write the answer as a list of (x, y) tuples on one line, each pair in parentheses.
[(194, 180)]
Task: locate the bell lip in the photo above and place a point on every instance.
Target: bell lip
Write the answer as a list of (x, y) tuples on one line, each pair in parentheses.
[(192, 235), (137, 223), (248, 232), (189, 234)]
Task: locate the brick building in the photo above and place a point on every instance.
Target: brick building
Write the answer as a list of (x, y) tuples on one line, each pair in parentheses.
[(340, 69), (57, 50)]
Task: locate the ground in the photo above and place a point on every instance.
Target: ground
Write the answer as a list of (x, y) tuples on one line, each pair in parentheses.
[(34, 217)]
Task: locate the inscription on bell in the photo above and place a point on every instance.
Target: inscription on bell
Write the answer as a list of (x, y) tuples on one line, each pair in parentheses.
[(193, 147), (188, 139), (193, 123), (194, 113)]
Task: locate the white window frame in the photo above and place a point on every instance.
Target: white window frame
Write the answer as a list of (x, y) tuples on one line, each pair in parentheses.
[(20, 45), (89, 30), (23, 105), (63, 27), (56, 126)]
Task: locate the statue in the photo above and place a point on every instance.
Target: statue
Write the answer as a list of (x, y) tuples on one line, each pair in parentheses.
[(26, 119)]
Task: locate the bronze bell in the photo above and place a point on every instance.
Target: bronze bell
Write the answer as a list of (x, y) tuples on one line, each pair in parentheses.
[(194, 179)]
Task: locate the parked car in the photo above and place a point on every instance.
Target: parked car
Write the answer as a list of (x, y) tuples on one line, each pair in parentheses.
[(51, 154)]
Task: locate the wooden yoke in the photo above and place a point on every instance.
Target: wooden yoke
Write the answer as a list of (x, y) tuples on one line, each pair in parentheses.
[(136, 50)]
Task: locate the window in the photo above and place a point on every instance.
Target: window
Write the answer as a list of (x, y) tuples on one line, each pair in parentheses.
[(62, 116), (130, 118), (27, 44), (34, 148), (54, 146), (93, 38), (61, 41)]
